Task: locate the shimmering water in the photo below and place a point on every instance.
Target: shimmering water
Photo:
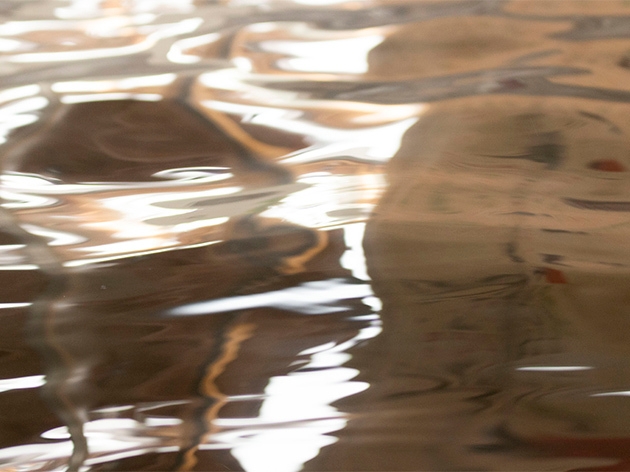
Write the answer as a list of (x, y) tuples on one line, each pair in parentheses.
[(314, 235)]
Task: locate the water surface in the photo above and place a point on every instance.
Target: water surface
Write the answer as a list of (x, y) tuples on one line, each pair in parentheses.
[(298, 235)]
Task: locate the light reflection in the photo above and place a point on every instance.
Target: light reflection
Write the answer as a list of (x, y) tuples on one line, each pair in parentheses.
[(330, 200), (339, 179), (19, 92), (101, 27), (20, 383), (83, 9), (103, 97), (108, 440), (370, 143), (301, 402), (373, 302), (23, 106), (16, 114), (285, 450), (228, 80), (198, 224), (354, 257), (344, 3), (336, 56), (33, 456), (34, 183), (127, 83), (156, 216), (310, 298), (130, 247), (19, 267), (13, 45), (256, 114), (54, 237), (19, 201), (155, 220), (115, 257), (565, 368), (116, 456), (197, 174), (168, 205), (15, 305), (11, 253), (179, 52), (104, 29), (373, 144), (173, 212)]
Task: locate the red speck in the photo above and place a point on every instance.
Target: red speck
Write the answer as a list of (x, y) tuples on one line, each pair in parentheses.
[(511, 84), (607, 165), (555, 276)]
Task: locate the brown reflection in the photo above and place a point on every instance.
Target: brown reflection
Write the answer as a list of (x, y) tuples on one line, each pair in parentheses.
[(129, 140), (489, 271), (125, 145), (116, 353), (24, 415), (122, 350), (499, 250)]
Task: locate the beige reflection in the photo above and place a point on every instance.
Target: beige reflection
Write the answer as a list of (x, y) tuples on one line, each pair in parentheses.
[(563, 8), (455, 45), (504, 302)]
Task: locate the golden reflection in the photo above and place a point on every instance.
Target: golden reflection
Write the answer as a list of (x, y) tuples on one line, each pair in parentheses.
[(235, 336)]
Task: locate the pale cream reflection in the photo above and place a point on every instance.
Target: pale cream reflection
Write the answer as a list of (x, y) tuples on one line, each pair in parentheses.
[(559, 368), (108, 439), (103, 37), (114, 85), (83, 9), (19, 107), (318, 51)]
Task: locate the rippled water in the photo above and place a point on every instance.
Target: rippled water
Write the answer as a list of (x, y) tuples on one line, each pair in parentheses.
[(314, 235)]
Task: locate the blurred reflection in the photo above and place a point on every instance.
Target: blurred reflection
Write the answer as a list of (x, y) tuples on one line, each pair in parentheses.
[(493, 284), (18, 108), (340, 235)]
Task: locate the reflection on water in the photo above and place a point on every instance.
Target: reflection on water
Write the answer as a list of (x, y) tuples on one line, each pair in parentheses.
[(299, 235)]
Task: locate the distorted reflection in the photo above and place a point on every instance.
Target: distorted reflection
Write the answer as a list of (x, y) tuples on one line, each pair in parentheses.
[(18, 108), (560, 368), (312, 298), (103, 37), (299, 235), (316, 50), (478, 273), (83, 9), (301, 401)]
